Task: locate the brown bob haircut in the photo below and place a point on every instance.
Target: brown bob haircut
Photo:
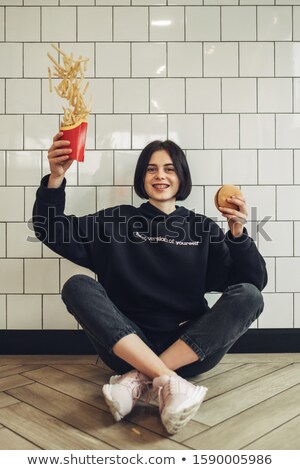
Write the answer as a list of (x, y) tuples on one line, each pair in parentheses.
[(180, 164)]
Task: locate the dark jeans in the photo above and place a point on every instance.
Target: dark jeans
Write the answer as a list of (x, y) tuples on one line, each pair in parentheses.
[(210, 336)]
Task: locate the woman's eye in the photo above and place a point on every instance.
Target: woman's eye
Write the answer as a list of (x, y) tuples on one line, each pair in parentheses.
[(150, 170), (170, 169)]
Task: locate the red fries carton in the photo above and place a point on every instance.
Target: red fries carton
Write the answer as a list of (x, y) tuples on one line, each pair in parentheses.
[(76, 134)]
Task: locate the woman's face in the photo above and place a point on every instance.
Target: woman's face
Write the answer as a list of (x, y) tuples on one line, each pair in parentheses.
[(161, 181)]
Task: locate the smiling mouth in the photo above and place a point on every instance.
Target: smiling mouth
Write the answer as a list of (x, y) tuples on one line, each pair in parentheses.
[(160, 186)]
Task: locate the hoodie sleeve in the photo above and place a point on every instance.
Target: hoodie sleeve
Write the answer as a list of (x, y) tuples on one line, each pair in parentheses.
[(233, 260), (69, 236)]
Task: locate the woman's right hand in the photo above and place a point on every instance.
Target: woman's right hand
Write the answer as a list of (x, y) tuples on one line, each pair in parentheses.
[(59, 161)]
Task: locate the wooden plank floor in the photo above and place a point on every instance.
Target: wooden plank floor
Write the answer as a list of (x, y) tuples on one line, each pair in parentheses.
[(55, 402)]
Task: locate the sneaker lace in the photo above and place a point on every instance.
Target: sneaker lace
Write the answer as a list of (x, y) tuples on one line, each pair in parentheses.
[(136, 385)]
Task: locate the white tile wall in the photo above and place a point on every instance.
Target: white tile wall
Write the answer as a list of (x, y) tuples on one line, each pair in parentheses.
[(2, 99), (2, 168), (220, 77), (113, 59), (2, 240), (239, 24), (24, 312), (22, 24), (202, 24), (147, 127)]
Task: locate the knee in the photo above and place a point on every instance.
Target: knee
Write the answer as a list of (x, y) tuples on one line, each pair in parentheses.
[(252, 297), (74, 286)]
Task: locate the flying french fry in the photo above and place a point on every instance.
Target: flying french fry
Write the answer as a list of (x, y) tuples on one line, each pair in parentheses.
[(71, 74)]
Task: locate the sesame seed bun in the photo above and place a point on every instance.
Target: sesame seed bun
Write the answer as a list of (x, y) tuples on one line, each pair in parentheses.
[(223, 193)]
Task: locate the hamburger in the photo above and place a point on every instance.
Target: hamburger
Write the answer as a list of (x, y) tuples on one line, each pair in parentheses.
[(226, 191)]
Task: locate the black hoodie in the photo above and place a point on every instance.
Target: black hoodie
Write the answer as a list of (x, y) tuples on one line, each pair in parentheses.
[(155, 267)]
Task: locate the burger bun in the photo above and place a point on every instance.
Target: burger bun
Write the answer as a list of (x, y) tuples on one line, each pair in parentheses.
[(226, 191)]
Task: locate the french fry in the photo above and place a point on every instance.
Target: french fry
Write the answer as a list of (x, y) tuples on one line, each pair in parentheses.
[(71, 74)]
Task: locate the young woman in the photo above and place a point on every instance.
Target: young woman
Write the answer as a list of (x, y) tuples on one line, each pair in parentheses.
[(147, 316)]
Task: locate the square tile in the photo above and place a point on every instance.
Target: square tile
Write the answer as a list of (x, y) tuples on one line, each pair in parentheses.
[(11, 276), (238, 24), (279, 240), (184, 59), (80, 200), (97, 168), (56, 315), (290, 283), (275, 95), (54, 21), (21, 243), (36, 61), (202, 23), (167, 95), (287, 203), (257, 131), (147, 128), (23, 96), (287, 59), (113, 60), (113, 196), (113, 132), (100, 90), (260, 204), (11, 60), (287, 131), (256, 59), (273, 316), (270, 166), (39, 131), (23, 24), (203, 95), (23, 168), (94, 24), (130, 23), (167, 23), (221, 131), (24, 312), (274, 23), (186, 130), (125, 163), (41, 276), (148, 59), (11, 136), (220, 59), (238, 95), (239, 167), (131, 95), (205, 166), (11, 204)]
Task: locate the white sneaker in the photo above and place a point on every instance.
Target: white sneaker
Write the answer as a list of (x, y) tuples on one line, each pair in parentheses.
[(123, 391), (179, 401)]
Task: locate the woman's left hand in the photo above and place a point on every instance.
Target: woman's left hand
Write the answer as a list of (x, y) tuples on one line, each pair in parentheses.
[(236, 218)]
